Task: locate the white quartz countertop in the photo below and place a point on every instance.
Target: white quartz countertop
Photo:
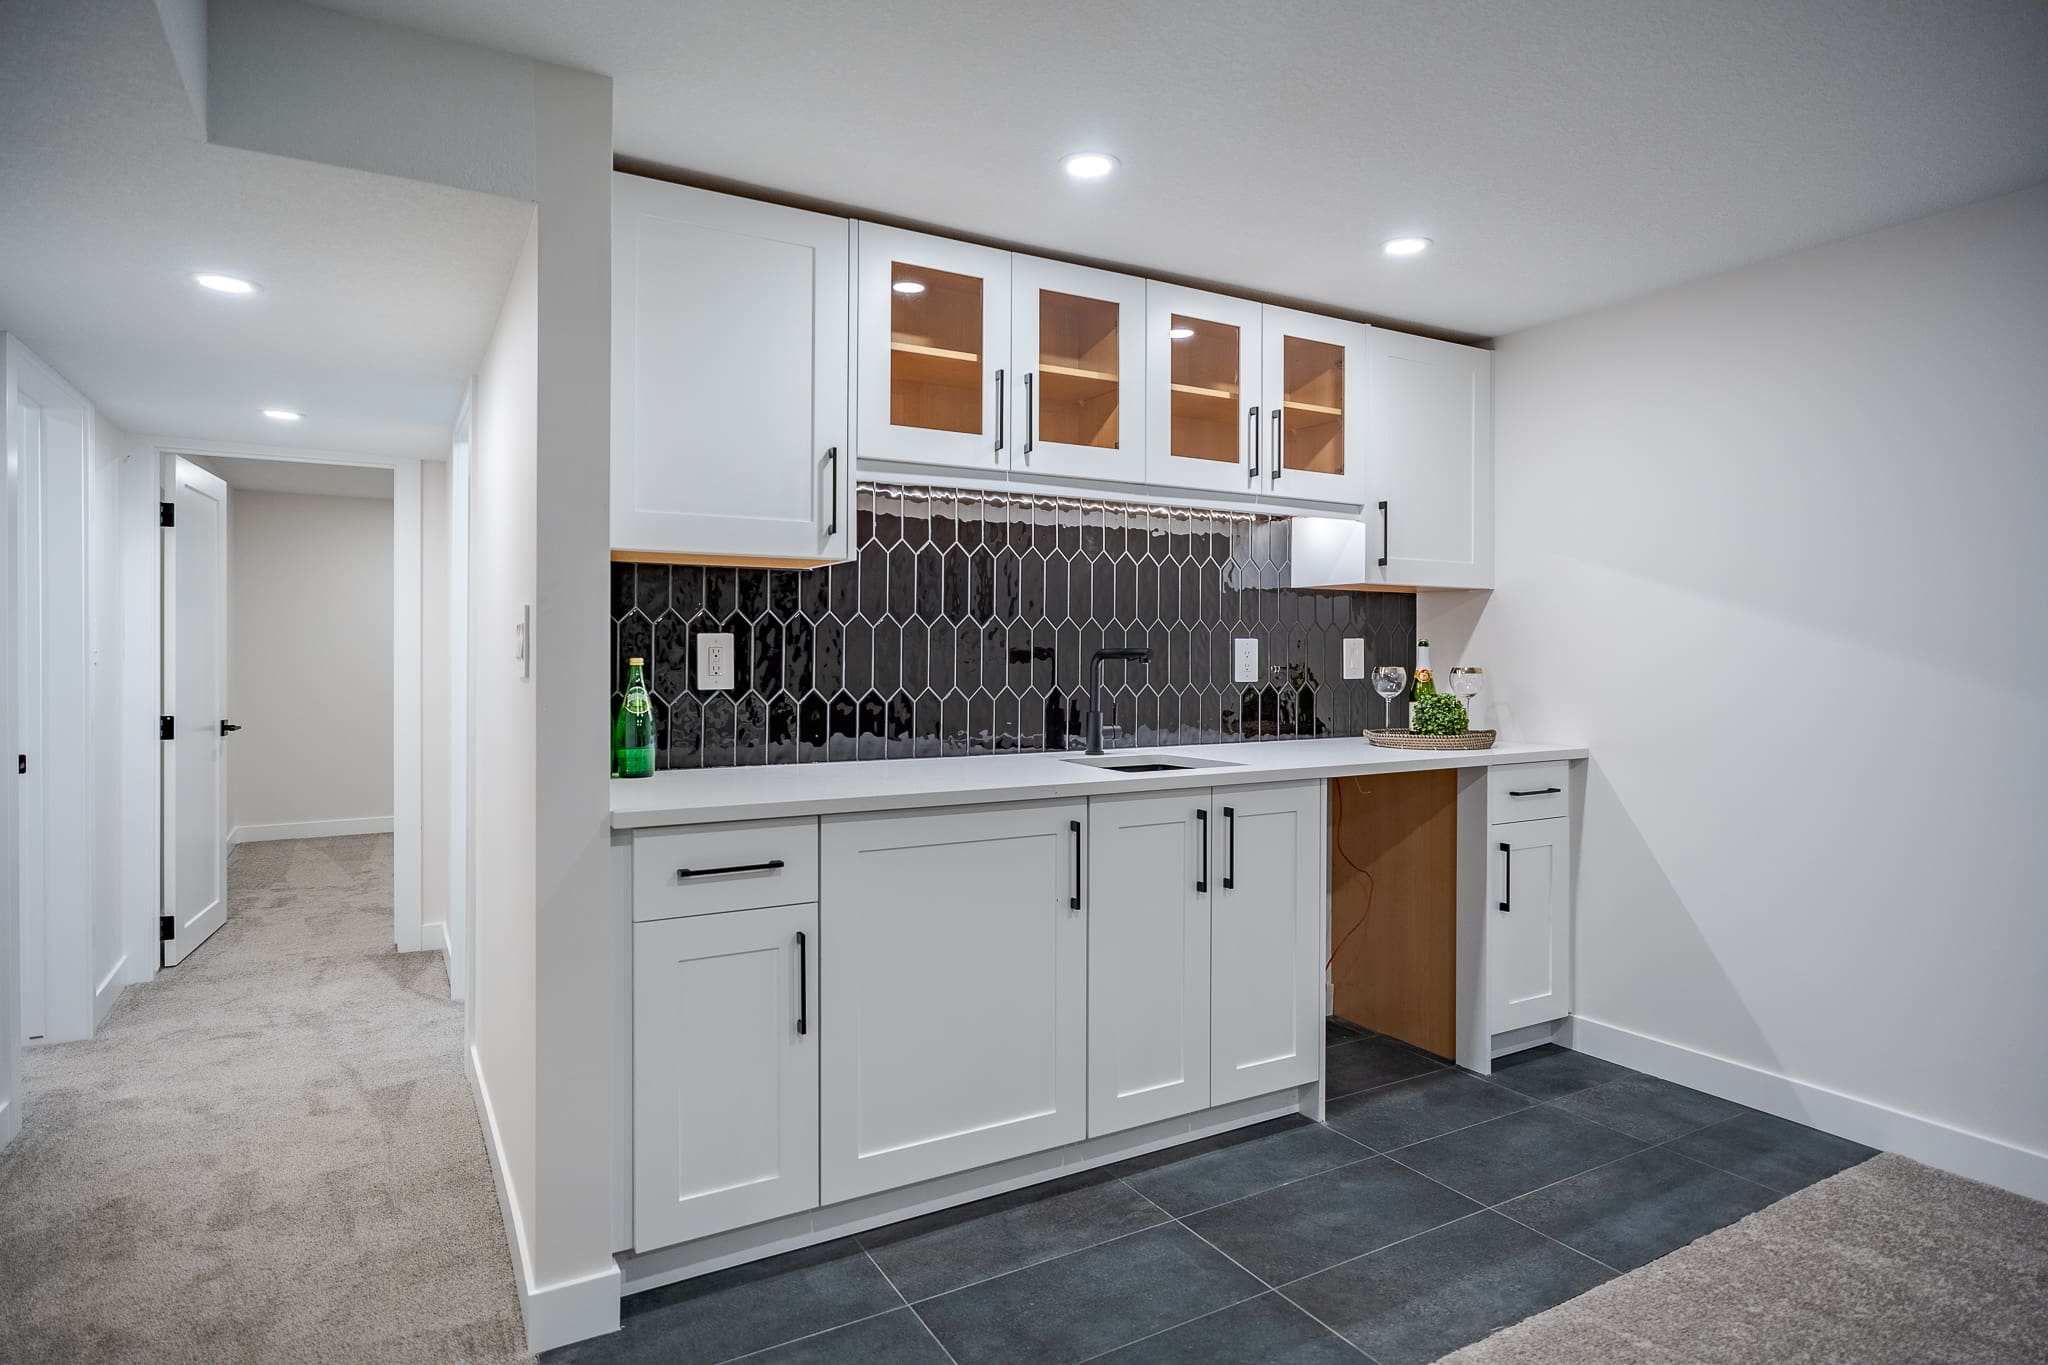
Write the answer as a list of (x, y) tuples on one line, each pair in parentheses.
[(707, 796)]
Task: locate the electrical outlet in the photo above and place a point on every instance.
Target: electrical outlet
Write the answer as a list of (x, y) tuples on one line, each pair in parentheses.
[(1354, 657), (1245, 662), (714, 662)]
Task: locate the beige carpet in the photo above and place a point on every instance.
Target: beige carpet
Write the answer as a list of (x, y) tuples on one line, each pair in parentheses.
[(269, 1153), (1889, 1262)]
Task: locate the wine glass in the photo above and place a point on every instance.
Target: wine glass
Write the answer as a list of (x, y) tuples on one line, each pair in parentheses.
[(1388, 680), (1465, 684)]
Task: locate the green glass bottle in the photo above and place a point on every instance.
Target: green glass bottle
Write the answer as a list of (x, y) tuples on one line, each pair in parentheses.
[(633, 732)]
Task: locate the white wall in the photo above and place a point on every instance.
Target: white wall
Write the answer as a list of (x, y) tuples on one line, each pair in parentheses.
[(1771, 545), (434, 706), (110, 943), (310, 663)]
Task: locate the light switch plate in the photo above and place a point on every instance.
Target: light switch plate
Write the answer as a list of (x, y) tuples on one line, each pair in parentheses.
[(1354, 657), (714, 662), (1245, 662)]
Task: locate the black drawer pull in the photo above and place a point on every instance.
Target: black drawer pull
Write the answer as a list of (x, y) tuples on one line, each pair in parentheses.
[(685, 873), (1202, 878), (1074, 901), (1507, 877), (1540, 791), (1230, 826), (803, 984)]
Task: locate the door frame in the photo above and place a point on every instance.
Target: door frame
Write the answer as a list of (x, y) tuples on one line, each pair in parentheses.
[(144, 583), (176, 945), (461, 793)]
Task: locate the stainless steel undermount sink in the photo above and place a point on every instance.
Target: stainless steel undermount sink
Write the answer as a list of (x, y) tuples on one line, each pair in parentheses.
[(1150, 763)]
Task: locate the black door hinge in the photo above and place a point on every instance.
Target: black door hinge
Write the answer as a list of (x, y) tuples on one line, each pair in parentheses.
[(166, 928), (166, 727), (21, 763), (167, 514)]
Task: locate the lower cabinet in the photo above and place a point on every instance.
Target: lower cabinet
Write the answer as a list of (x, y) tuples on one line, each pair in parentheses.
[(725, 1071), (954, 1016), (1150, 869), (1528, 924), (1268, 912)]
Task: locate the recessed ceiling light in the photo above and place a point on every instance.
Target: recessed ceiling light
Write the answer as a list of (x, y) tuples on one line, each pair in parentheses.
[(1180, 333), (1089, 165), (1406, 246), (224, 284), (907, 287), (282, 414)]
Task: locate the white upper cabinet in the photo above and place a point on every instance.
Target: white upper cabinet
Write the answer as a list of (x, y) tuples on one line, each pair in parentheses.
[(933, 352), (1078, 394), (1430, 486), (1203, 377), (730, 361), (1315, 407)]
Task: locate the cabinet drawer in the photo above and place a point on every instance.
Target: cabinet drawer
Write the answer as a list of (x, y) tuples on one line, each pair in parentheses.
[(1528, 791), (713, 868)]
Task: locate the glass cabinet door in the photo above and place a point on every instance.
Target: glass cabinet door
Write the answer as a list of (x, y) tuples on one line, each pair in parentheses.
[(933, 317), (1205, 381), (1315, 372), (1078, 349)]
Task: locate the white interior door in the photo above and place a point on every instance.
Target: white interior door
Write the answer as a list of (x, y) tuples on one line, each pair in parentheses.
[(195, 671), (28, 701)]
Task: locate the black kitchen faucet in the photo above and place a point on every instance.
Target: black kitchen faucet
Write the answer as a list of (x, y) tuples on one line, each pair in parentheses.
[(1133, 653)]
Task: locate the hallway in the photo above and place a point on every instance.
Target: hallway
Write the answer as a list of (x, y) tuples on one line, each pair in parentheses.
[(268, 1153)]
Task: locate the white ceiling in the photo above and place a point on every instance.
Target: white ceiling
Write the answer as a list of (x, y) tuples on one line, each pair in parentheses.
[(1563, 154), (378, 293), (248, 474)]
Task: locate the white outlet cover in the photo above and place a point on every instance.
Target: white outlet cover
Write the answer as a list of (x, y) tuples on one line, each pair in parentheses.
[(714, 662), (1354, 657), (1245, 662)]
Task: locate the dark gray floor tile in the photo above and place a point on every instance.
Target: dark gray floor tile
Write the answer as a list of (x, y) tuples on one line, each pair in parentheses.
[(1087, 1303), (1267, 1329), (747, 1308), (1337, 1030), (1504, 1157), (1550, 1072), (1426, 1107), (1648, 1108), (896, 1338), (1237, 1137), (1211, 1178), (1370, 1062), (1312, 1224), (1773, 1151), (990, 1237), (1630, 1212), (1418, 1300)]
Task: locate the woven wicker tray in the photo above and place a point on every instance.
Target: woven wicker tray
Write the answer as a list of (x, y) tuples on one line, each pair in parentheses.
[(1408, 739)]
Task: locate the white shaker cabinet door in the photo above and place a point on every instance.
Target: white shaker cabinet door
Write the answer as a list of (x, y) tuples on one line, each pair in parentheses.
[(1268, 910), (1149, 875), (954, 1019), (1528, 924), (731, 352), (725, 1072), (1430, 466), (1078, 345), (1316, 375)]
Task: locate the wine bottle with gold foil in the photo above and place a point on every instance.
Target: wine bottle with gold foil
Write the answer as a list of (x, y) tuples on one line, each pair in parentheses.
[(633, 732), (1425, 681)]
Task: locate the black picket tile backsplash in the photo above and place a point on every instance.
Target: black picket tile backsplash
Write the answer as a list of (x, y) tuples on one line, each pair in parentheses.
[(965, 624)]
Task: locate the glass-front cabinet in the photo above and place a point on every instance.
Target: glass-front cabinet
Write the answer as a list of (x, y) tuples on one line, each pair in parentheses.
[(1077, 346), (1204, 385), (1315, 392), (933, 318)]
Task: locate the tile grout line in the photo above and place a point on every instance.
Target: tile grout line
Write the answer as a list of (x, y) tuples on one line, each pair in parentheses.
[(1282, 1288), (1199, 1317), (910, 1307), (822, 1331)]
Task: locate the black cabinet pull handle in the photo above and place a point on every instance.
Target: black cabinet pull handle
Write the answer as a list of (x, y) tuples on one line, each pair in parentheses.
[(1540, 791), (1202, 878), (1251, 441), (1507, 878), (803, 984), (1074, 901), (685, 873), (1030, 419), (1383, 535), (999, 412), (1279, 451), (1230, 836), (832, 463)]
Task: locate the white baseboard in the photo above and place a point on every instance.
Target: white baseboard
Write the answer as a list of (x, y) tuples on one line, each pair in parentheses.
[(559, 1313), (1925, 1140), (309, 829), (108, 991), (434, 937)]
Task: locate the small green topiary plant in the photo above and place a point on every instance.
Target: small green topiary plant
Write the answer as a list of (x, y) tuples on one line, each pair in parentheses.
[(1439, 713)]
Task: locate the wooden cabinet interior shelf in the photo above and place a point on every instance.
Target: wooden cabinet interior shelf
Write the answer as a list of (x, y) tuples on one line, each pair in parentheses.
[(1204, 388), (1312, 406), (935, 334), (1079, 393)]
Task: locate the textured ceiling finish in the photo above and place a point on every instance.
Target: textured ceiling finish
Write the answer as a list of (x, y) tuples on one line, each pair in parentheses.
[(378, 294), (1563, 155)]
